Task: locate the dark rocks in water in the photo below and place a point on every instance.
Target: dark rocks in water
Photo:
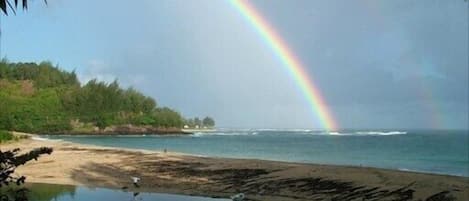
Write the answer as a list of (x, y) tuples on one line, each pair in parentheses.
[(441, 196), (207, 177), (320, 188)]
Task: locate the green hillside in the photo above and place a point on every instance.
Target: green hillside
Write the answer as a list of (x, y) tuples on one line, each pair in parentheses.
[(42, 98)]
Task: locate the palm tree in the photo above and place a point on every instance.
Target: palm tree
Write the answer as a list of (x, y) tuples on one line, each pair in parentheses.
[(5, 4)]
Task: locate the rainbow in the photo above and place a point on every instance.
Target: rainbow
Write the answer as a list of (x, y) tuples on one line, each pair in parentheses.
[(290, 62)]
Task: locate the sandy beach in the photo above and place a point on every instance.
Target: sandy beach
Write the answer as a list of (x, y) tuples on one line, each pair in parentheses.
[(77, 164)]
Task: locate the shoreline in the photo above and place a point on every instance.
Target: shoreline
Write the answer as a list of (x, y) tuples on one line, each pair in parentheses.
[(228, 157), (215, 157), (128, 129), (89, 165)]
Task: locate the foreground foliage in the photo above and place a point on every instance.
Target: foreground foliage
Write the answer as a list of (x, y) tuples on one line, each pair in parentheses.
[(9, 161)]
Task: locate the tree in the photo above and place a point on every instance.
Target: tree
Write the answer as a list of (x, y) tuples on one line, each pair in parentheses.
[(208, 122), (190, 122), (10, 160), (4, 4), (101, 122), (42, 98), (197, 121)]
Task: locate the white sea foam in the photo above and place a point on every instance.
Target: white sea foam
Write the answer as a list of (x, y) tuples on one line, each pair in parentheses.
[(381, 133), (296, 132), (44, 139), (431, 172), (368, 133), (285, 129), (336, 133), (406, 169), (197, 134), (201, 134), (266, 129)]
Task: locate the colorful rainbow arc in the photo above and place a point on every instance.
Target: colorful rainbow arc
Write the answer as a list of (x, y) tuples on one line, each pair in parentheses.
[(293, 65)]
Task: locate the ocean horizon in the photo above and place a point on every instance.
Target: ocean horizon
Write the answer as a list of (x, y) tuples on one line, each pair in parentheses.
[(427, 151)]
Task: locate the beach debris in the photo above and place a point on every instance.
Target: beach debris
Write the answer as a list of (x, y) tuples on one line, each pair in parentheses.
[(135, 181), (238, 197)]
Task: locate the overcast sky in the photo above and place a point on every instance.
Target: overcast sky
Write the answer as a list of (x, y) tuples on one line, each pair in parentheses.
[(379, 64)]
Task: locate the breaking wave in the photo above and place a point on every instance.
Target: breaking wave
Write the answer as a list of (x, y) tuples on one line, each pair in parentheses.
[(382, 133), (284, 130), (201, 134), (295, 132), (45, 139), (368, 133)]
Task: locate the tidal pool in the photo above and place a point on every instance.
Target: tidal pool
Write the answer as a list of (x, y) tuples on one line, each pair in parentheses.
[(52, 192)]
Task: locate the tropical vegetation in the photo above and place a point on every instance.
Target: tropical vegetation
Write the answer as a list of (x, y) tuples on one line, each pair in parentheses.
[(5, 136), (42, 98), (195, 122)]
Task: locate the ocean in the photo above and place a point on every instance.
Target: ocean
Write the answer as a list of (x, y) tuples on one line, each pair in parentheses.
[(431, 151)]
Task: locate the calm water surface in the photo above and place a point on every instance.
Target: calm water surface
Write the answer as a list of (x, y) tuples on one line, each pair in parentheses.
[(50, 192)]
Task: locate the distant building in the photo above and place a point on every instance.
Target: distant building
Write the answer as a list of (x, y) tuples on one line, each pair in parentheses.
[(186, 126), (197, 126)]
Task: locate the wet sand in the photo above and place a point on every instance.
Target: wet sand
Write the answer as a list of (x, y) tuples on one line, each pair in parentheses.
[(78, 164)]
